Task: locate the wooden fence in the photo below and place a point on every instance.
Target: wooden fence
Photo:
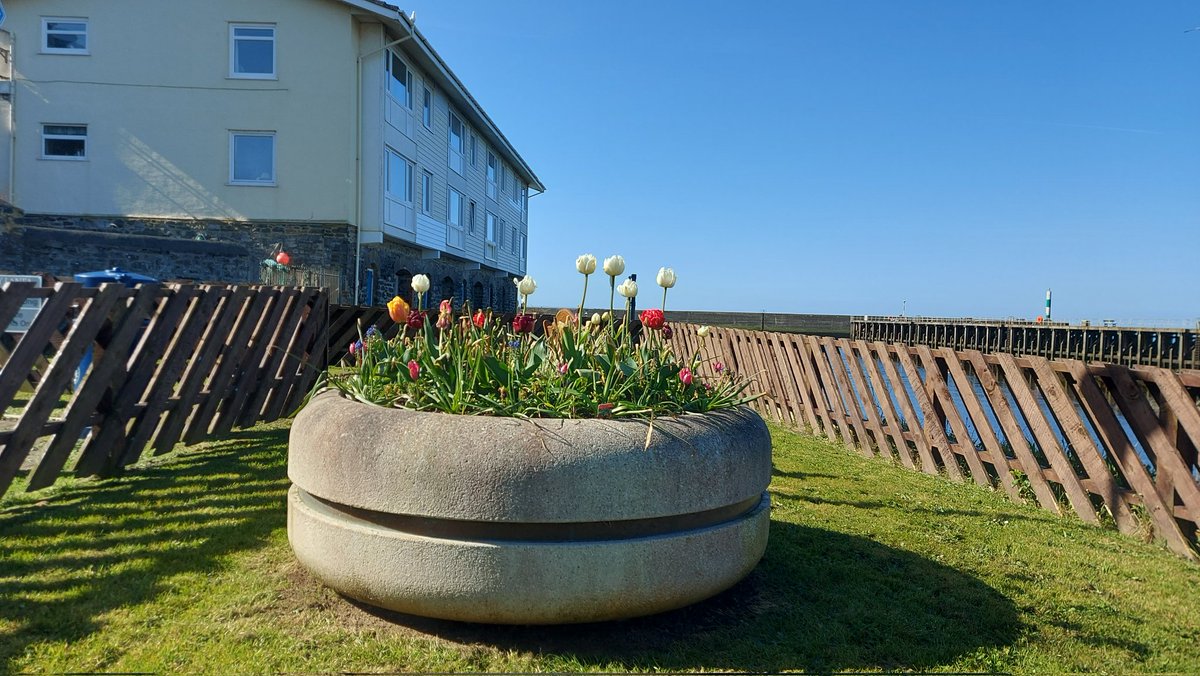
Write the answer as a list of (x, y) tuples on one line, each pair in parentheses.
[(179, 363), (1101, 440), (168, 364)]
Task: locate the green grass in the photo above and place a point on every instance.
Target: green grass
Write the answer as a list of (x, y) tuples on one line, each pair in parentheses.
[(184, 566)]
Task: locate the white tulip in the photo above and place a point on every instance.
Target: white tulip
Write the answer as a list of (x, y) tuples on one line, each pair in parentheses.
[(628, 288), (595, 318), (525, 286), (607, 316), (586, 264), (614, 265), (703, 331), (420, 283), (666, 277)]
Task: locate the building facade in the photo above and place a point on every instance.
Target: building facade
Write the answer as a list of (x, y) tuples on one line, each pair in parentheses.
[(195, 139)]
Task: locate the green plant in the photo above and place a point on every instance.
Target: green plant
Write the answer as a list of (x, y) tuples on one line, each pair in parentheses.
[(474, 363)]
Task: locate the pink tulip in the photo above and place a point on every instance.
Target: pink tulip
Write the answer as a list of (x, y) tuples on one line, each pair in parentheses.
[(685, 375), (414, 369)]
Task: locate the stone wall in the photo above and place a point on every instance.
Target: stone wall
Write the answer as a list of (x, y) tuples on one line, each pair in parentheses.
[(322, 254)]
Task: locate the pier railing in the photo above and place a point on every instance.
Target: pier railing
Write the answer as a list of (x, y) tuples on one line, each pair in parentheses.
[(1177, 348)]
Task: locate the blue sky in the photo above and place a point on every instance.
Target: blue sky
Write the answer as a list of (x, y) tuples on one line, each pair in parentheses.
[(845, 157)]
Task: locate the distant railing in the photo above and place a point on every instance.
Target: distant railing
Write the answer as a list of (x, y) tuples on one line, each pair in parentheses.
[(1173, 348)]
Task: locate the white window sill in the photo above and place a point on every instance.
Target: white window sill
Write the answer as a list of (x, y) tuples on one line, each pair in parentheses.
[(63, 158), (254, 184), (68, 52), (252, 76)]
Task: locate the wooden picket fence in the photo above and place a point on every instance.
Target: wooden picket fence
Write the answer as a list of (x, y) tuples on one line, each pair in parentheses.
[(169, 363), (1101, 440)]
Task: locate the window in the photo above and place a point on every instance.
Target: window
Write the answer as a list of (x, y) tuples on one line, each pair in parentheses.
[(427, 109), (64, 36), (252, 51), (525, 199), (454, 233), (399, 177), (474, 143), (458, 146), (252, 157), (427, 192), (399, 81), (64, 141), (490, 248), (516, 191), (500, 230), (491, 175), (524, 249), (512, 240), (471, 218)]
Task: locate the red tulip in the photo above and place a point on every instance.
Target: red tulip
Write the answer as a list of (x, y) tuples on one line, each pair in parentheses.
[(653, 318), (414, 369), (479, 319)]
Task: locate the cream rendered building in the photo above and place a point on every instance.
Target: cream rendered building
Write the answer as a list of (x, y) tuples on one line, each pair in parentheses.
[(194, 138)]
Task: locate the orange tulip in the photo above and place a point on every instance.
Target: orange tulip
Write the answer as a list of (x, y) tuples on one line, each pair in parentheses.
[(398, 310)]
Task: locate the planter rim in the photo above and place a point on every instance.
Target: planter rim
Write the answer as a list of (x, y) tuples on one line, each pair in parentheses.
[(530, 470)]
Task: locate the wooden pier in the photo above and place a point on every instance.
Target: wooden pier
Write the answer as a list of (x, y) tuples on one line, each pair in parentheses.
[(1173, 348)]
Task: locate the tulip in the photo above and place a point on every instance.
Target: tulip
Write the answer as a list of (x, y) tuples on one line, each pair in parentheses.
[(420, 284), (525, 286), (718, 366), (666, 279), (667, 331), (613, 266), (595, 318), (398, 310), (353, 349), (586, 264), (414, 369), (685, 375), (443, 321), (446, 307), (479, 319), (562, 368), (416, 319), (652, 318), (703, 331), (628, 289), (523, 323)]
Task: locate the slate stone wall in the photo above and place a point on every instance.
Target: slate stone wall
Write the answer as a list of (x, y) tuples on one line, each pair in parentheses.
[(232, 252)]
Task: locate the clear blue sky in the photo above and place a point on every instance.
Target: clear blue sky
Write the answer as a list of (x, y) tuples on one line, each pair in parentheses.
[(842, 157)]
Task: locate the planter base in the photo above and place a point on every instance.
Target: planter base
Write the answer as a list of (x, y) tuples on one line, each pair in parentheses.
[(439, 568)]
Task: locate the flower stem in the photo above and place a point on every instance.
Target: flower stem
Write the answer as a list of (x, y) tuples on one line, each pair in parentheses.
[(582, 302), (612, 294)]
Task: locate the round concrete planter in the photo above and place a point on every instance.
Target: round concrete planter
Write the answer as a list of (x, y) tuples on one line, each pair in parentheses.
[(513, 521)]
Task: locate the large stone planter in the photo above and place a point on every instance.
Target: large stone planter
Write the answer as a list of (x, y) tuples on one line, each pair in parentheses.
[(526, 522)]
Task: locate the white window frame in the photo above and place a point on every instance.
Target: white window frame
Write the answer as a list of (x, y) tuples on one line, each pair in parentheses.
[(47, 49), (455, 232), (273, 181), (393, 58), (64, 137), (409, 178), (458, 158), (426, 193), (233, 40), (491, 224), (491, 171), (427, 107)]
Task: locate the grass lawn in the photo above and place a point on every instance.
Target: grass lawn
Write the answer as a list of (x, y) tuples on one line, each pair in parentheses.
[(184, 565)]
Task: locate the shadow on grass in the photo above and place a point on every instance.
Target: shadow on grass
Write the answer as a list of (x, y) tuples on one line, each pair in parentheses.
[(819, 601), (99, 547)]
